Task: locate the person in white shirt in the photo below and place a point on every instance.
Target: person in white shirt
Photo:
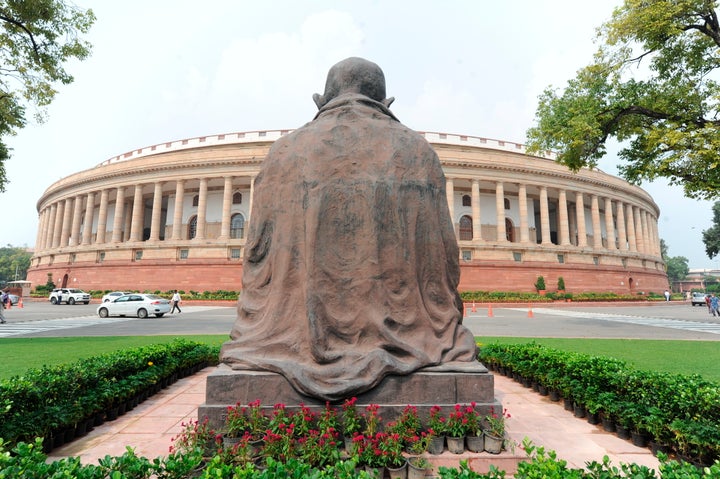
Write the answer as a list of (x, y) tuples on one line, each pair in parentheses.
[(175, 302)]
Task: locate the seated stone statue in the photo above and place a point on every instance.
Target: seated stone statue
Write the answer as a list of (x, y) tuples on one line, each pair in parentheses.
[(351, 265)]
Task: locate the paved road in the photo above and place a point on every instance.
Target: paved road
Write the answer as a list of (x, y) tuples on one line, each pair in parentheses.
[(652, 321)]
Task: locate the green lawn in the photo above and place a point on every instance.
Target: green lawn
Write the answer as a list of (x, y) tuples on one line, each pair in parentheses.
[(686, 357)]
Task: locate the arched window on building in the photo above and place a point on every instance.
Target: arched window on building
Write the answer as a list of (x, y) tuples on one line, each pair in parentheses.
[(237, 198), (237, 226), (466, 228), (507, 203), (192, 227), (466, 201), (196, 200), (509, 230)]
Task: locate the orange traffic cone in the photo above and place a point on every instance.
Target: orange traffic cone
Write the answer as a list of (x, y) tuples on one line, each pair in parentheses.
[(490, 313), (20, 305), (530, 313), (473, 307), (9, 304)]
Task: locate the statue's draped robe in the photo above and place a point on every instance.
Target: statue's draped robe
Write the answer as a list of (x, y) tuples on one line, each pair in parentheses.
[(351, 265)]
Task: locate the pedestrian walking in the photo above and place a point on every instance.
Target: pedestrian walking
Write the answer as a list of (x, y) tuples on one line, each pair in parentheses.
[(4, 300), (175, 302), (714, 305)]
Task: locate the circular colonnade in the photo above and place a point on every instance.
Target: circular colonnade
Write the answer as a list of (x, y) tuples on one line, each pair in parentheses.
[(174, 216)]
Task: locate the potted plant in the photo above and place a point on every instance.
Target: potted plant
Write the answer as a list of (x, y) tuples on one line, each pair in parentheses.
[(407, 425), (455, 430), (350, 422), (495, 431), (436, 430), (561, 284), (391, 448), (236, 425), (474, 437), (540, 285), (418, 467)]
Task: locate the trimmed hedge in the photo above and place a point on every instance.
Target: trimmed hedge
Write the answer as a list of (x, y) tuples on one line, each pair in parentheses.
[(678, 411), (44, 401)]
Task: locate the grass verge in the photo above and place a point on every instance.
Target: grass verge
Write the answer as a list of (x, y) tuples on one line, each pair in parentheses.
[(684, 357), (20, 354)]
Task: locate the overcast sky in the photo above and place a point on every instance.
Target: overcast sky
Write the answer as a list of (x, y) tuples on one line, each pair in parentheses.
[(166, 70)]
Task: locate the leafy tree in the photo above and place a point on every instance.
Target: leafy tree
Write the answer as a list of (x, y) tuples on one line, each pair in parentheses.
[(677, 268), (711, 236), (13, 259), (652, 85), (36, 38)]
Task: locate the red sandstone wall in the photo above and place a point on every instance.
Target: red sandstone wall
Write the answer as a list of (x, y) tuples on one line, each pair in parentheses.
[(146, 275), (578, 278), (212, 275)]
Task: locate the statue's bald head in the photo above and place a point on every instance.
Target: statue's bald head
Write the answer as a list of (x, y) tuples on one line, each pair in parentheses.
[(353, 75)]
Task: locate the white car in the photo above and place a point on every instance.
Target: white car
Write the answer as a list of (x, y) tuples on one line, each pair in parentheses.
[(113, 296), (69, 296), (135, 304)]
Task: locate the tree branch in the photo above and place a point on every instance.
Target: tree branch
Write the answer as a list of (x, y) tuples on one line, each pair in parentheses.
[(22, 26)]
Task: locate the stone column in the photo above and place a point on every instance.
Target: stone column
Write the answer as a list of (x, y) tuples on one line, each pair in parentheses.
[(609, 225), (50, 230), (102, 217), (622, 236), (597, 230), (477, 220), (563, 218), (500, 212), (632, 244), (252, 195), (522, 202), (138, 213), (638, 230), (544, 216), (178, 214), (59, 214), (41, 230), (202, 209), (647, 244), (77, 219), (226, 209), (66, 223), (119, 211), (89, 217), (580, 213), (156, 214), (450, 193), (655, 235)]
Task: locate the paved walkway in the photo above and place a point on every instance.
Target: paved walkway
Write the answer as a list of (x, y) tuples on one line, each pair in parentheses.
[(150, 427)]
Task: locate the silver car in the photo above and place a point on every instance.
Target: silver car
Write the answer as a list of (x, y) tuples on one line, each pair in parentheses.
[(112, 296), (135, 304)]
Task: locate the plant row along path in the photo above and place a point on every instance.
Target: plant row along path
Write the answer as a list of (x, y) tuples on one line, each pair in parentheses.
[(672, 413), (299, 443)]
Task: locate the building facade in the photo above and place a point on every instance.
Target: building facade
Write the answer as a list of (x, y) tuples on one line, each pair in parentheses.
[(174, 216)]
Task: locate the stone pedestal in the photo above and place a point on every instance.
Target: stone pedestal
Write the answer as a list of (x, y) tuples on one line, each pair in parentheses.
[(443, 386)]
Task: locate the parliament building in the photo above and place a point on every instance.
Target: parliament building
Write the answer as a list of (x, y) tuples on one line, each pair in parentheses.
[(174, 216)]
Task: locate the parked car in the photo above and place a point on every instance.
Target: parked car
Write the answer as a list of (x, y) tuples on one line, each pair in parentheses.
[(135, 304), (69, 296), (14, 299), (113, 296), (698, 299)]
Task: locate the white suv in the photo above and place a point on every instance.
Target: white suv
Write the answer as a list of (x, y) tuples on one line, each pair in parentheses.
[(69, 296)]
